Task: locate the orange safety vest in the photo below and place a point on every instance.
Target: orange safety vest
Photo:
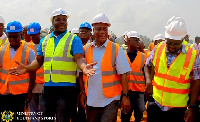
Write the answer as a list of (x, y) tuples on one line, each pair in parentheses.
[(151, 46), (171, 85), (136, 79), (110, 79), (17, 84), (40, 72)]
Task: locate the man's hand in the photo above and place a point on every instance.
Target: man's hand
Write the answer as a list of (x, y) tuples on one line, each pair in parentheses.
[(125, 105), (189, 115), (83, 100), (148, 90), (20, 69), (28, 98), (89, 70)]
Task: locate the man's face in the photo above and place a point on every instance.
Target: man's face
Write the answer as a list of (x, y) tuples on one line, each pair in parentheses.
[(35, 38), (134, 42), (173, 46), (197, 41), (100, 32), (186, 38), (14, 38), (84, 33), (60, 23), (158, 41), (25, 35), (1, 28)]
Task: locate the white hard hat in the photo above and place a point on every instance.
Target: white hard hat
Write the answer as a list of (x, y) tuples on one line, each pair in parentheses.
[(75, 30), (158, 37), (57, 12), (176, 29), (101, 18), (2, 19), (133, 34)]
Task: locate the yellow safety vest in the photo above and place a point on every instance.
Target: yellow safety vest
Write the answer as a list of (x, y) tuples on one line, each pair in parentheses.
[(171, 84), (3, 41), (59, 64), (187, 44)]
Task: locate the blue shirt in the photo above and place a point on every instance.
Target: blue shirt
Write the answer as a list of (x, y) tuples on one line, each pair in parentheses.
[(132, 55), (76, 48)]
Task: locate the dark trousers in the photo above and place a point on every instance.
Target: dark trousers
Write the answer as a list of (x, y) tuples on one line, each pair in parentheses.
[(13, 103), (155, 114), (103, 114), (197, 113), (137, 104), (81, 114), (59, 101)]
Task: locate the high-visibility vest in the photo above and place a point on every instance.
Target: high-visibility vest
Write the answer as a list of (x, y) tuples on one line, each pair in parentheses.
[(3, 41), (40, 72), (151, 46), (146, 52), (187, 44), (171, 85), (30, 44), (59, 64), (110, 79), (136, 79), (17, 84)]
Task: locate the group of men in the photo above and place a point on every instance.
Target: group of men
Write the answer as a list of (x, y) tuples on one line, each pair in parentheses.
[(77, 77)]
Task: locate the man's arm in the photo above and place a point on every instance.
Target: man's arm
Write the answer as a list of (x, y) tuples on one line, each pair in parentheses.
[(149, 74), (36, 64), (82, 65)]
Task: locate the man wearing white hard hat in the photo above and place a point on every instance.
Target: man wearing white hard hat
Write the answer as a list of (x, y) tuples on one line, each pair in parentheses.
[(60, 53), (172, 71), (124, 46), (158, 38), (3, 36), (136, 80), (104, 89)]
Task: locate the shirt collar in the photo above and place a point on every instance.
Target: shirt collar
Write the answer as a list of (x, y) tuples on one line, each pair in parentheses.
[(62, 34), (104, 45)]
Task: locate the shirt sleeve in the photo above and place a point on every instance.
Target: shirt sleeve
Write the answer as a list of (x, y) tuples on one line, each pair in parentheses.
[(31, 56), (39, 50), (77, 46), (122, 64), (149, 60), (195, 73)]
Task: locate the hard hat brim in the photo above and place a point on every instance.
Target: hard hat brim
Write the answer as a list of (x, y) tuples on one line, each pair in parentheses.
[(174, 37)]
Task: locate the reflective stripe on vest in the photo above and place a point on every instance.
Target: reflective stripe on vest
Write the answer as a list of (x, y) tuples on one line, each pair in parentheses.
[(17, 84), (135, 76), (171, 85), (3, 41), (59, 64), (40, 72), (110, 79)]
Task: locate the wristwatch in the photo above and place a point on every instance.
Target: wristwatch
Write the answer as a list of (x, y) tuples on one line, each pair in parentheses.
[(125, 94), (192, 106)]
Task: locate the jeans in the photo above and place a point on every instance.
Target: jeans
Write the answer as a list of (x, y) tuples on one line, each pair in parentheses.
[(137, 104), (34, 106)]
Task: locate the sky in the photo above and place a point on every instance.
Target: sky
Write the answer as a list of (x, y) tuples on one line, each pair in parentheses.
[(147, 17)]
